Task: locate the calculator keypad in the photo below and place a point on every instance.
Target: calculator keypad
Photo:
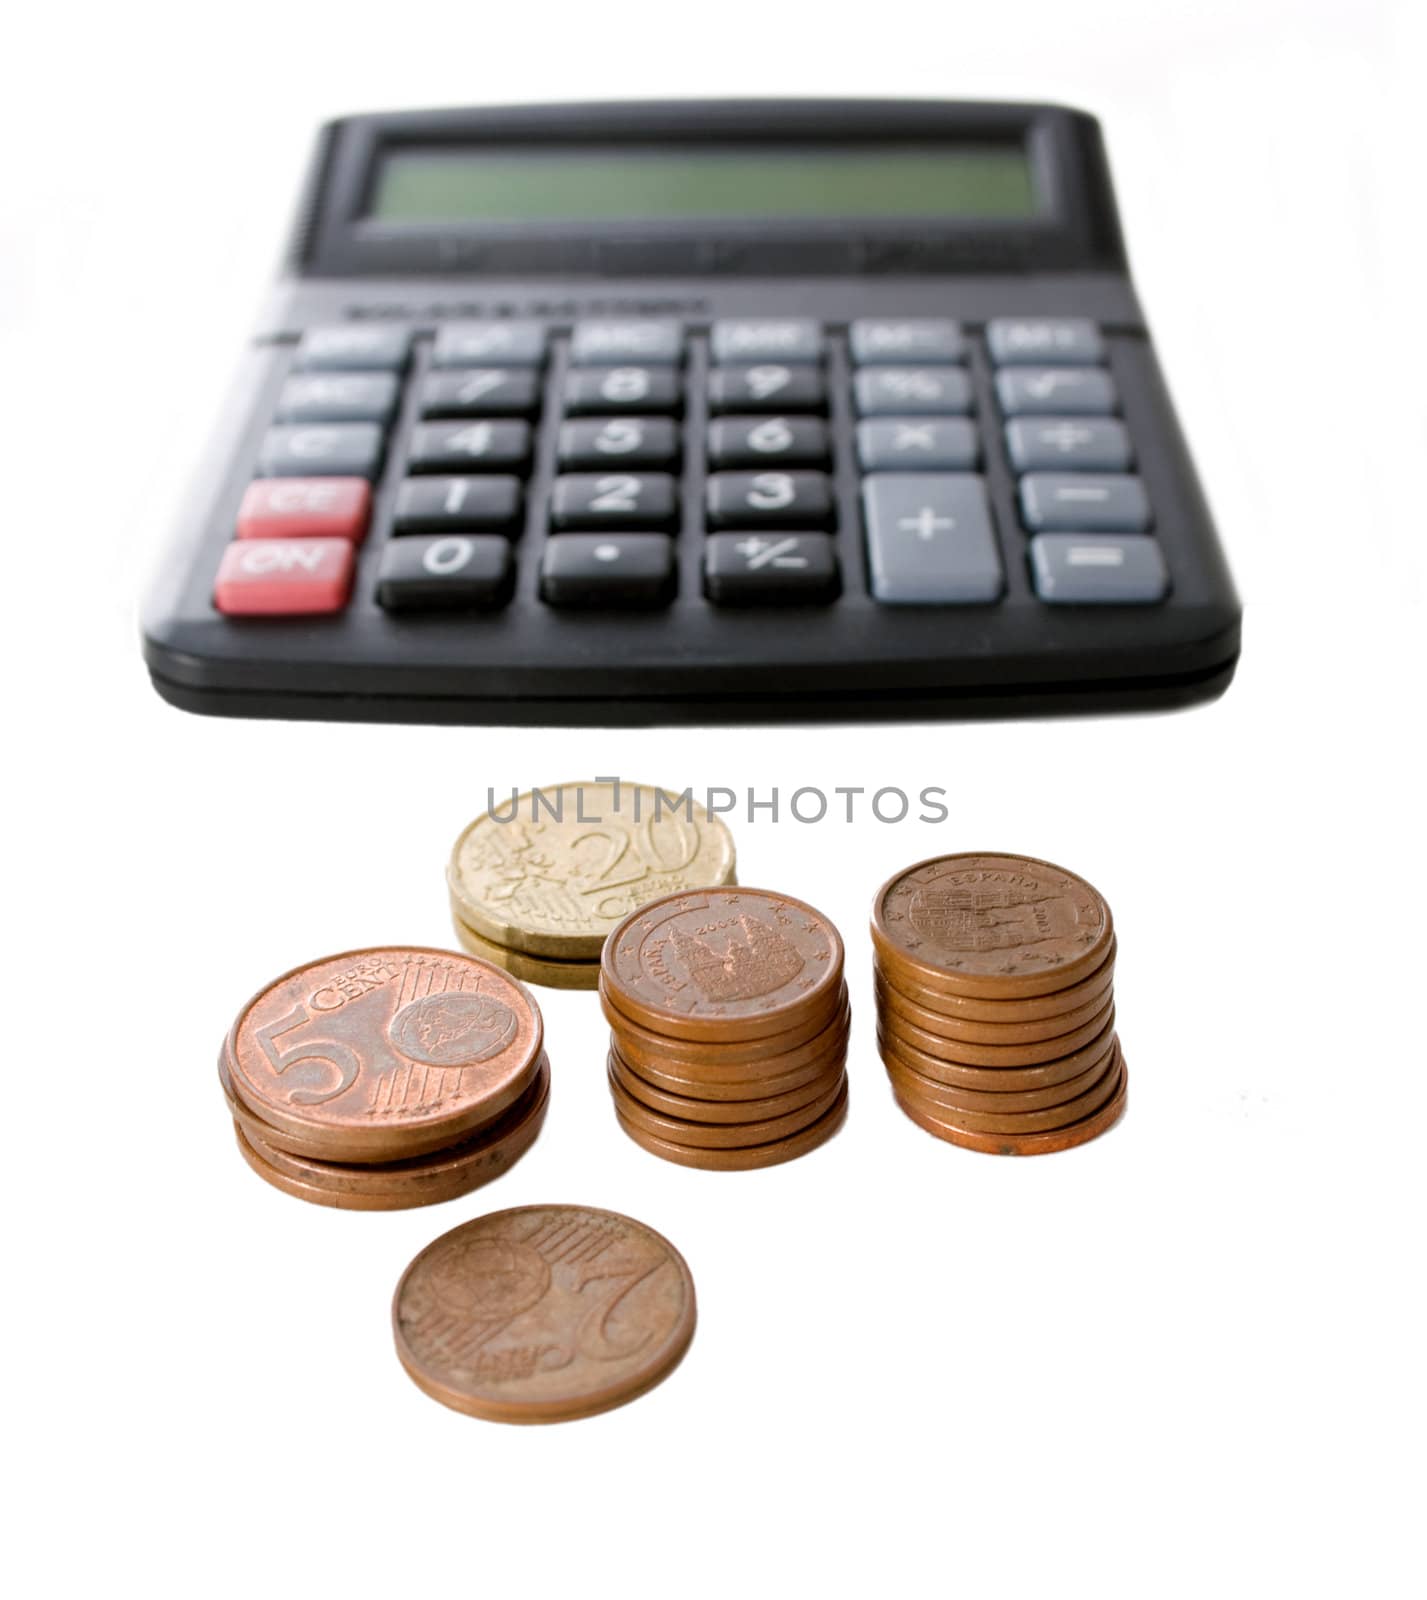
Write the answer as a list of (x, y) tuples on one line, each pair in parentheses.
[(764, 491)]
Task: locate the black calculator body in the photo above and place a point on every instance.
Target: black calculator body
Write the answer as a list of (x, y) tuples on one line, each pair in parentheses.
[(684, 413)]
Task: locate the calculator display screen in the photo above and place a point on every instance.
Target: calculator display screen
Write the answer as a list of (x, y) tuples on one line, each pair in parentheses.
[(817, 181)]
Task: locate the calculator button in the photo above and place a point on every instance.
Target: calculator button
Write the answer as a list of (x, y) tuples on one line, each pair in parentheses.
[(463, 446), (607, 569), (481, 392), (284, 577), (1098, 569), (604, 389), (930, 539), (767, 339), (489, 344), (1052, 502), (925, 339), (766, 384), (1090, 444), (769, 499), (756, 441), (619, 499), (649, 339), (629, 441), (918, 444), (338, 397), (1044, 341), (1050, 391), (353, 348), (450, 505), (305, 508), (456, 572), (913, 391), (330, 450), (769, 568)]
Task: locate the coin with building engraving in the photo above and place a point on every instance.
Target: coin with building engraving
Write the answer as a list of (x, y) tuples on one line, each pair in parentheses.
[(552, 871), (727, 964), (1036, 1008), (543, 1313), (990, 925), (384, 1054)]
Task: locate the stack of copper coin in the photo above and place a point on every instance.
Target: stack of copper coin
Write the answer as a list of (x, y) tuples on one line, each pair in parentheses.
[(386, 1078), (728, 1023), (995, 1006), (536, 884)]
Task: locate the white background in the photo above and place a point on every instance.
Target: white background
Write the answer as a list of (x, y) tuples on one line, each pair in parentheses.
[(1185, 1359)]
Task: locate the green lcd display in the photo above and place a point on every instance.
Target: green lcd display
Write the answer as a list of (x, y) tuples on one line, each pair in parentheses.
[(704, 182)]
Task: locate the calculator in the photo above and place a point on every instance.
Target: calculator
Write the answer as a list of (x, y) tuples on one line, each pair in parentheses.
[(694, 413)]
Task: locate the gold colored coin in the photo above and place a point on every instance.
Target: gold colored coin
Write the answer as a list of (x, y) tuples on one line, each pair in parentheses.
[(544, 970), (551, 873)]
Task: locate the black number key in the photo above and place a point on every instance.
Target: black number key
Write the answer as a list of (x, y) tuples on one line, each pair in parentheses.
[(599, 390), (613, 499), (769, 499), (451, 505), (607, 569), (779, 441), (767, 386), (456, 572), (481, 392), (619, 442), (469, 446), (769, 568)]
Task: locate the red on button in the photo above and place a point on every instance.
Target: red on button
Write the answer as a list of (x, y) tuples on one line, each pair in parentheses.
[(305, 508), (284, 577)]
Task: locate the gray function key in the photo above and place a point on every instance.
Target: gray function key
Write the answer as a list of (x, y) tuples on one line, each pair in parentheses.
[(918, 444), (338, 397), (487, 344), (1044, 341), (925, 339), (1072, 501), (767, 339), (1055, 391), (1071, 569), (911, 391), (331, 450), (930, 539), (649, 339), (1084, 444), (353, 348)]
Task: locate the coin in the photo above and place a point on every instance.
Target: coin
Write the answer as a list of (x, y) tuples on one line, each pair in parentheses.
[(724, 1135), (997, 1078), (573, 861), (760, 1155), (724, 964), (543, 1313), (693, 1055), (425, 1180), (1084, 1104), (1031, 1144), (958, 1032), (383, 1054), (1036, 1009), (693, 1109), (914, 1085), (997, 1056), (991, 926), (738, 1090), (544, 970)]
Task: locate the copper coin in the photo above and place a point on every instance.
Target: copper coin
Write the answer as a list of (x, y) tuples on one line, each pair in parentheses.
[(725, 1135), (543, 1313), (693, 1055), (425, 1180), (917, 1086), (996, 1056), (969, 1009), (544, 970), (739, 1090), (378, 1055), (989, 925), (759, 1155), (1031, 1144), (689, 1109), (997, 1078), (988, 1033), (723, 964), (1082, 1105)]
